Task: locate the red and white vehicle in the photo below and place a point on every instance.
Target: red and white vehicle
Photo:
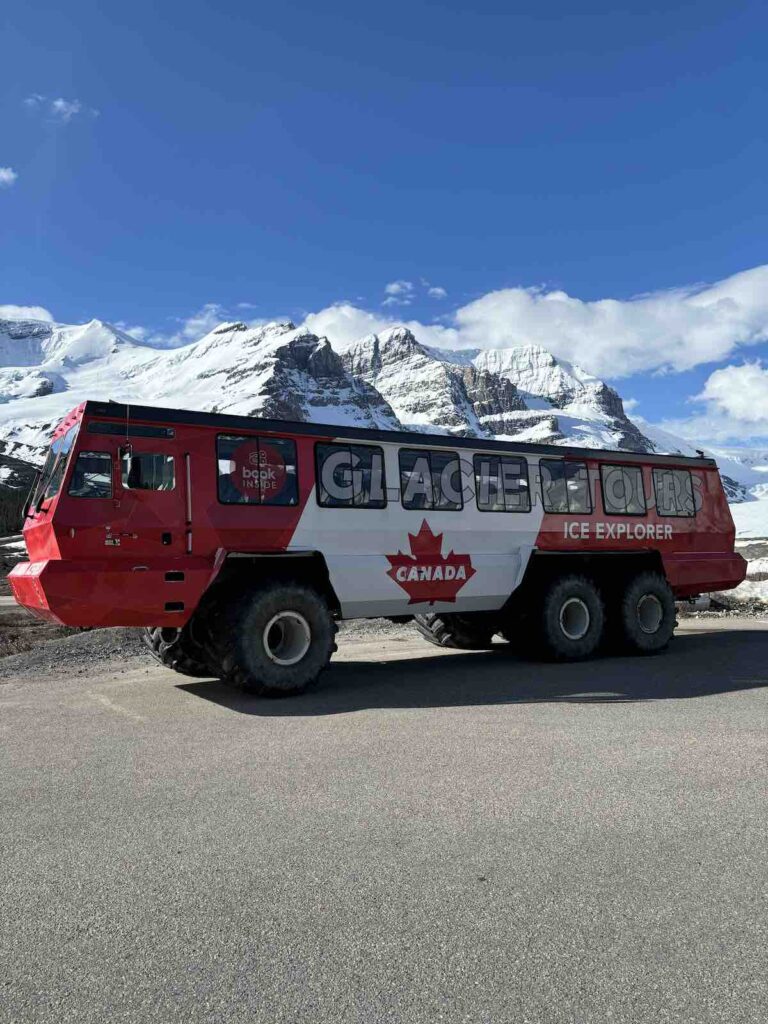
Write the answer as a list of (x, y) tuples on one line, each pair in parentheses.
[(238, 543)]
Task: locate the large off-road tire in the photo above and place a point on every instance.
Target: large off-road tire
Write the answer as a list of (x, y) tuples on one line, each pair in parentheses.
[(571, 619), (274, 641), (647, 615), (469, 632), (177, 649)]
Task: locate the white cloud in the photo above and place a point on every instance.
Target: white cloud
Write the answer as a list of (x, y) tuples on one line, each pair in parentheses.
[(13, 312), (399, 288), (403, 293), (735, 400), (58, 109), (134, 330), (630, 405), (670, 330), (7, 177), (65, 110), (663, 331), (344, 323), (200, 323), (399, 293), (740, 392), (187, 329)]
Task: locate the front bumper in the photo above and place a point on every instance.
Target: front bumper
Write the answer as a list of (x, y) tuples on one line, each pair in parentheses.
[(87, 594)]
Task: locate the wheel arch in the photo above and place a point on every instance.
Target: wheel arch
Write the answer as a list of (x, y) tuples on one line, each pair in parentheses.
[(240, 568), (608, 569)]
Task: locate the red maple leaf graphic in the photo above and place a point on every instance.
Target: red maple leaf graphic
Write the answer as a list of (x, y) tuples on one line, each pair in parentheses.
[(427, 575)]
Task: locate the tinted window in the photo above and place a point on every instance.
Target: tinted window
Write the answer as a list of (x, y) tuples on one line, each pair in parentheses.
[(256, 470), (143, 472), (350, 476), (92, 476), (130, 429), (674, 493), (565, 486), (55, 465), (430, 480), (501, 484), (623, 492)]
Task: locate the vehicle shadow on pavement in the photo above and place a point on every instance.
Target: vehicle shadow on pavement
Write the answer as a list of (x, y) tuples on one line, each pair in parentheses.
[(696, 665)]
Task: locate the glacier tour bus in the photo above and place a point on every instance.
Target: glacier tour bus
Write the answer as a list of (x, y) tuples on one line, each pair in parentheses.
[(238, 543)]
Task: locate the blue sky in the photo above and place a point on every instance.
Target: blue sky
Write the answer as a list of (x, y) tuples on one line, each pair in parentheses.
[(170, 164)]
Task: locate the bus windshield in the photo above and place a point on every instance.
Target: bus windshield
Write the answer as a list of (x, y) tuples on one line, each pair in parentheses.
[(53, 471)]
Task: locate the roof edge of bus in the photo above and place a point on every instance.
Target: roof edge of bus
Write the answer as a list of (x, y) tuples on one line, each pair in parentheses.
[(336, 431)]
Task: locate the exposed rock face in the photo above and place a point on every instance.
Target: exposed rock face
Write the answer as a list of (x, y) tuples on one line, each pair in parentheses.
[(423, 390), (522, 393), (15, 473), (544, 380), (494, 400)]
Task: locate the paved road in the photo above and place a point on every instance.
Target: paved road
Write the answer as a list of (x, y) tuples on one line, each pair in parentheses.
[(431, 837)]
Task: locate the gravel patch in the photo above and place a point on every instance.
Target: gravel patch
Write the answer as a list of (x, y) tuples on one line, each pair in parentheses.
[(90, 652), (81, 653)]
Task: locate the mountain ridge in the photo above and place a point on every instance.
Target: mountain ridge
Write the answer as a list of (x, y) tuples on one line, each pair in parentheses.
[(388, 380)]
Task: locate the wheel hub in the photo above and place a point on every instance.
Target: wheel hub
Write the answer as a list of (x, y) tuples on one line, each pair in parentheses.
[(650, 613), (575, 619), (287, 638)]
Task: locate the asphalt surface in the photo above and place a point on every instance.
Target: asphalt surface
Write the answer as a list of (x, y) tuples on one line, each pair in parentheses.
[(429, 837)]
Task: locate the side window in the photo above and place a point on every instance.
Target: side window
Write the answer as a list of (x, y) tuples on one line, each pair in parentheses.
[(674, 493), (256, 470), (623, 491), (565, 486), (501, 484), (92, 476), (430, 480), (350, 476), (140, 471), (56, 464)]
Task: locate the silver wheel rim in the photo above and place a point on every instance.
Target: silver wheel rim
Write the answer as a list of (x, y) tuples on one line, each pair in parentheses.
[(575, 619), (650, 613), (287, 637)]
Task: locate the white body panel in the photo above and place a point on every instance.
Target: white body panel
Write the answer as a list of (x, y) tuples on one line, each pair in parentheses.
[(356, 542)]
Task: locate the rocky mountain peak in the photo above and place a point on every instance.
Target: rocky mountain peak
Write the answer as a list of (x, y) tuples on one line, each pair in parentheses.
[(388, 380)]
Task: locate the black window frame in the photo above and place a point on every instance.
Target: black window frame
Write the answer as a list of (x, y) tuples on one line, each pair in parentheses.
[(429, 452), (258, 438), (566, 462), (139, 455), (93, 497), (349, 446), (494, 456), (622, 466), (673, 515)]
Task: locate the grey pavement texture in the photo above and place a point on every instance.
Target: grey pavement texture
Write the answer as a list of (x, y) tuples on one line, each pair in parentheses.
[(431, 836)]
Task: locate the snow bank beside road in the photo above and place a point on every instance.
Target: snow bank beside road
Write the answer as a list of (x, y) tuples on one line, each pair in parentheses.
[(751, 519)]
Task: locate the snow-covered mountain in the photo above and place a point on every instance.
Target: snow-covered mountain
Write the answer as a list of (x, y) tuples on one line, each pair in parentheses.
[(388, 381), (276, 370)]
